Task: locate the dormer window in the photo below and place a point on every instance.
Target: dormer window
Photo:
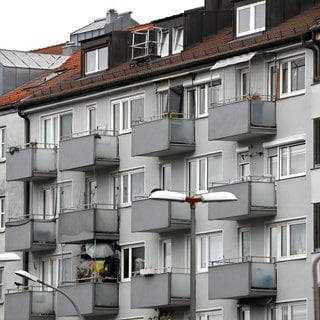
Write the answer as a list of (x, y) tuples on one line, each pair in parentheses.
[(163, 42), (251, 18), (96, 60)]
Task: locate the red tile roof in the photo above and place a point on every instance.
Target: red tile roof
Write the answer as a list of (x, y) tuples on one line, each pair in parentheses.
[(209, 51), (54, 49)]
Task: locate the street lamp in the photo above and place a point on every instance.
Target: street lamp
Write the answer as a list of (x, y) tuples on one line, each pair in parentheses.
[(26, 275), (192, 200), (9, 256)]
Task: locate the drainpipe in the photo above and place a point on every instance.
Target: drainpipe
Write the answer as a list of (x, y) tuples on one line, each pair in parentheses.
[(316, 50), (26, 190)]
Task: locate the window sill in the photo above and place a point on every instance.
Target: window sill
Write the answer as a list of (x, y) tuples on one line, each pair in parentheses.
[(291, 177), (293, 258), (292, 94)]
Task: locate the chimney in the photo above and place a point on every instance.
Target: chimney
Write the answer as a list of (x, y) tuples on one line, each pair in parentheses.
[(111, 16)]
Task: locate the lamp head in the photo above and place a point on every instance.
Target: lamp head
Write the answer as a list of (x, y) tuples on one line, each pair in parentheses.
[(168, 195), (27, 275), (218, 197)]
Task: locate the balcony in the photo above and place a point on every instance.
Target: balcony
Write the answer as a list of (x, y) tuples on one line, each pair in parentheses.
[(31, 303), (249, 277), (89, 150), (256, 199), (30, 233), (84, 224), (92, 298), (160, 290), (237, 120), (163, 136), (32, 162), (159, 216)]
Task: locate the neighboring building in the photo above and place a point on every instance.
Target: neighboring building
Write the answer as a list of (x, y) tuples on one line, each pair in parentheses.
[(220, 98)]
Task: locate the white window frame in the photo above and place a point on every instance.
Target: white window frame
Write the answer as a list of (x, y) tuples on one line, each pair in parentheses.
[(252, 28), (199, 90), (163, 101), (241, 232), (1, 284), (125, 107), (203, 244), (279, 160), (288, 306), (198, 162), (279, 227), (55, 133), (122, 177), (207, 315), (3, 143), (165, 185), (177, 39), (2, 212), (290, 91), (90, 108), (163, 41), (129, 248), (98, 66), (91, 192)]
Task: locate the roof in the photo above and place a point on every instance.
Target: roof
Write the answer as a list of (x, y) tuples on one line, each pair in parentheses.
[(208, 52), (71, 65), (33, 60)]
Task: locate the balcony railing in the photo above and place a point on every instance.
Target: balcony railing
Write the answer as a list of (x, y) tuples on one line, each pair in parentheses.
[(155, 288), (92, 222), (159, 216), (240, 119), (244, 277), (30, 233), (89, 150), (164, 135), (31, 162), (256, 199), (29, 303), (93, 298)]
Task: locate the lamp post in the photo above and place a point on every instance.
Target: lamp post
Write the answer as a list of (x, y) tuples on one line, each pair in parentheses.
[(192, 200), (26, 275)]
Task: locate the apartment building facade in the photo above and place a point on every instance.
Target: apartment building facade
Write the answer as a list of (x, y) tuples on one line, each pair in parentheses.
[(219, 98)]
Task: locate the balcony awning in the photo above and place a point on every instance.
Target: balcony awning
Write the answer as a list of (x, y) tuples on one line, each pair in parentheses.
[(234, 60)]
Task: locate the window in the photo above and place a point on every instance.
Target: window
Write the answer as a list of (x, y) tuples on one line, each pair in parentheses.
[(215, 90), (287, 161), (162, 98), (245, 242), (316, 227), (210, 249), (55, 127), (91, 118), (56, 269), (203, 102), (1, 284), (316, 142), (272, 73), (212, 315), (49, 201), (91, 194), (177, 40), (96, 60), (243, 165), (166, 255), (191, 98), (204, 172), (2, 212), (127, 111), (292, 77), (166, 176), (287, 239), (251, 18), (133, 260), (128, 186), (163, 42), (290, 311), (3, 141)]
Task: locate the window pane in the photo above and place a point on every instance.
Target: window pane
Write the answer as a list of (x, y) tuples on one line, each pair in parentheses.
[(166, 177), (65, 125), (203, 245), (283, 241), (163, 102), (125, 190), (125, 115), (297, 74), (215, 247), (246, 243), (274, 242), (284, 77), (137, 109), (245, 90), (191, 102), (103, 58), (260, 16), (47, 131), (284, 161), (214, 169), (297, 239), (284, 313), (137, 185), (137, 259), (202, 174), (92, 119), (192, 176), (126, 263), (215, 92), (167, 254), (116, 117), (297, 159), (298, 312), (202, 100), (65, 273), (90, 61), (244, 20), (163, 43)]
